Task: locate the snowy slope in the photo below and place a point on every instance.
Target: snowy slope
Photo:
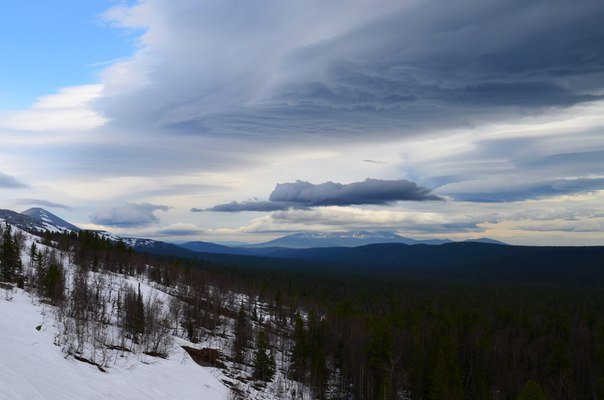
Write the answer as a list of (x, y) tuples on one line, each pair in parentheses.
[(38, 355), (32, 367), (50, 221), (20, 220)]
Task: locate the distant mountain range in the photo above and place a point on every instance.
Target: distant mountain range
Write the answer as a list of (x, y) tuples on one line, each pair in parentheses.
[(340, 239), (304, 240), (39, 219), (379, 251), (309, 240)]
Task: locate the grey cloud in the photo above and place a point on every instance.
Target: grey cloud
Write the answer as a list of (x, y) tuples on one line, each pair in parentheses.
[(179, 190), (127, 215), (537, 190), (392, 69), (582, 226), (521, 168), (387, 73), (9, 182), (179, 232), (43, 203), (370, 191), (300, 218), (301, 195), (235, 206)]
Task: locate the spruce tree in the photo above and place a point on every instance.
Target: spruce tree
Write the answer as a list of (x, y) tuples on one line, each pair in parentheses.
[(139, 322), (264, 361), (10, 257), (54, 282), (242, 336), (299, 363)]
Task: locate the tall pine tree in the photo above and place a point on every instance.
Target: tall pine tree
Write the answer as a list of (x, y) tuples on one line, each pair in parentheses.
[(10, 257), (242, 336), (264, 361), (299, 364)]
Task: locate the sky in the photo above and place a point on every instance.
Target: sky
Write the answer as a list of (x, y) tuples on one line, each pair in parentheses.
[(244, 121)]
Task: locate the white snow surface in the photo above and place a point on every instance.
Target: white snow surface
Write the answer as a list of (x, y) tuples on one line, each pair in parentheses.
[(34, 364), (32, 367)]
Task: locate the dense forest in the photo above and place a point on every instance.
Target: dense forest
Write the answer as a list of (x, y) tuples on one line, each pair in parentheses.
[(357, 335), (393, 336)]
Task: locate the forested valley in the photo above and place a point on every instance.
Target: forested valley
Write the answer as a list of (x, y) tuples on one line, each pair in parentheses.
[(321, 334)]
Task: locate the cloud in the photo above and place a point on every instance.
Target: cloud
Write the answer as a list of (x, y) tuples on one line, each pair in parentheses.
[(518, 168), (390, 67), (127, 215), (334, 217), (180, 189), (9, 182), (235, 206), (533, 191), (491, 101), (370, 191), (301, 194), (590, 225), (67, 110), (180, 229), (42, 203)]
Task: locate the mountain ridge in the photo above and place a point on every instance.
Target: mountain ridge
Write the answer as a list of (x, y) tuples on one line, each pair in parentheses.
[(311, 239), (50, 220)]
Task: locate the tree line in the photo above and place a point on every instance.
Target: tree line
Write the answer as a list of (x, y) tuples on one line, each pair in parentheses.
[(344, 336)]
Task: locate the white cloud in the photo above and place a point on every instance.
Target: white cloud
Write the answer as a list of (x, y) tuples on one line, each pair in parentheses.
[(127, 215), (344, 218), (245, 95), (67, 110)]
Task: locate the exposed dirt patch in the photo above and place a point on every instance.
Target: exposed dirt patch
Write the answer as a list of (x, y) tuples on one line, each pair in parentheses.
[(205, 357), (87, 361)]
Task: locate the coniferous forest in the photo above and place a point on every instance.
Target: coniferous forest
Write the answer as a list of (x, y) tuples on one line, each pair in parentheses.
[(359, 335)]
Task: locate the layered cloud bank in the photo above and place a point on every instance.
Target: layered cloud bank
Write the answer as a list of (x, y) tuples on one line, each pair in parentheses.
[(492, 105), (127, 215), (302, 194)]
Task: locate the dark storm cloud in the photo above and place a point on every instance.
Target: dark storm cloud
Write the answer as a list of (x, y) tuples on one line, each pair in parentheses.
[(302, 194), (399, 71), (127, 215), (9, 182), (370, 191)]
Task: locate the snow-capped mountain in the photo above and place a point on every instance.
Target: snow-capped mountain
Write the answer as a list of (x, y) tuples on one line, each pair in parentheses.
[(50, 221), (341, 239), (37, 219)]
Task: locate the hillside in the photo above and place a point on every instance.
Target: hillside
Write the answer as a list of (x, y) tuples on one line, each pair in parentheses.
[(374, 321), (207, 247), (121, 328), (34, 368)]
